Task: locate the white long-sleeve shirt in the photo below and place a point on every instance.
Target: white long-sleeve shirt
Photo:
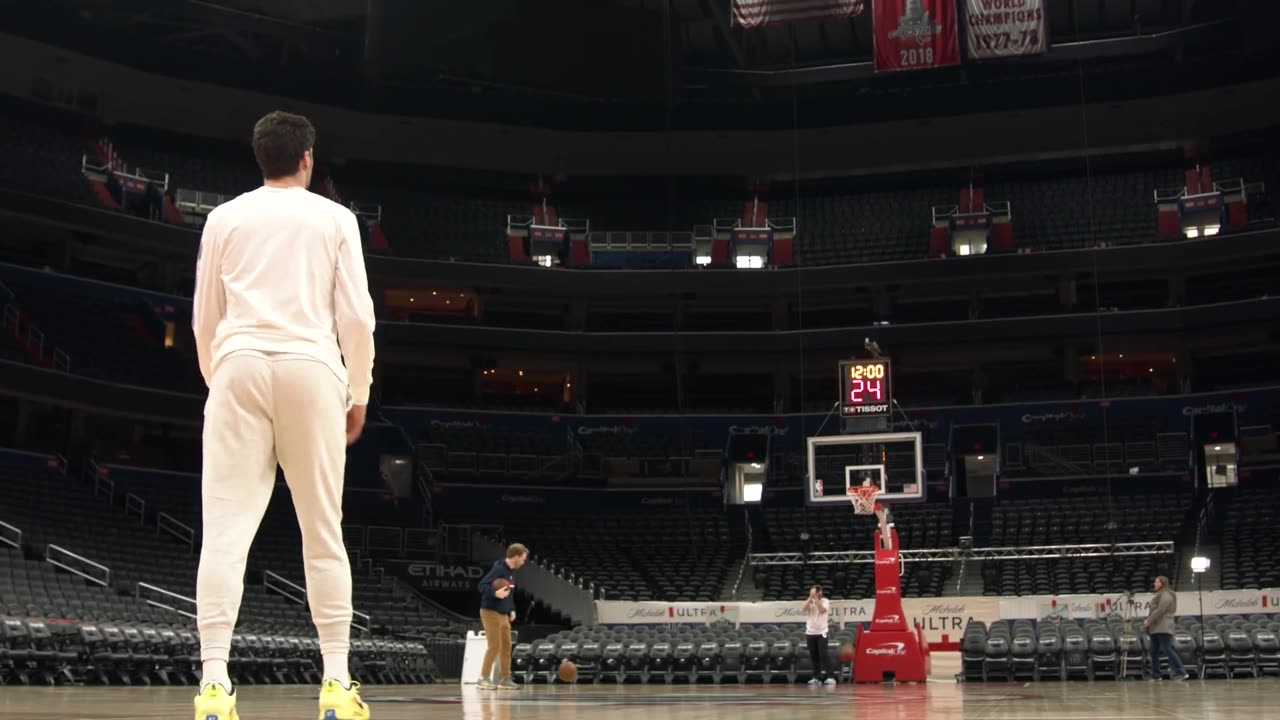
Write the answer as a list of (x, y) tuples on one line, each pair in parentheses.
[(282, 271)]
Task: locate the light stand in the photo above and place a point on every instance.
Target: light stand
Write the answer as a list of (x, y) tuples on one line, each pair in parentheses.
[(1199, 566)]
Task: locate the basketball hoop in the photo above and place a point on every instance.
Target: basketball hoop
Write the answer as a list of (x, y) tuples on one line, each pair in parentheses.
[(863, 498)]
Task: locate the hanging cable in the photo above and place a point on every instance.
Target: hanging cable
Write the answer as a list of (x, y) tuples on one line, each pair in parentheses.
[(1097, 284)]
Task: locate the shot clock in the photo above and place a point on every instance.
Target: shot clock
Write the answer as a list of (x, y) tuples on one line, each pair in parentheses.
[(866, 388)]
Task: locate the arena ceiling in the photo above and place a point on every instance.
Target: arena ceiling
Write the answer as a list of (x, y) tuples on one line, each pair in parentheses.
[(632, 64)]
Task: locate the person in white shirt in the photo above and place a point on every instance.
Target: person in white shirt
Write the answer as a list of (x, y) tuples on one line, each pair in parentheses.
[(817, 623), (283, 326)]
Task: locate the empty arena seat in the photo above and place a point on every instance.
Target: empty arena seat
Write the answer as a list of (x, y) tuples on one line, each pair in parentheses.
[(1249, 531), (1241, 658)]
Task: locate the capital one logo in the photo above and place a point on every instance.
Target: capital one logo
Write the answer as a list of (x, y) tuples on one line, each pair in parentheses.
[(892, 649), (887, 561), (888, 619), (888, 590)]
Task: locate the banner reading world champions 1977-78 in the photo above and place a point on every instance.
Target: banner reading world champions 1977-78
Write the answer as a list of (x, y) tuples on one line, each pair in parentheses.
[(1005, 28)]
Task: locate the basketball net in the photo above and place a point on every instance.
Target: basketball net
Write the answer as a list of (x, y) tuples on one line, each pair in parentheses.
[(863, 498)]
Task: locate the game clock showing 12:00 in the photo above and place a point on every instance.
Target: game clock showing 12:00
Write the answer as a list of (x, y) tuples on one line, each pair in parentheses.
[(865, 388)]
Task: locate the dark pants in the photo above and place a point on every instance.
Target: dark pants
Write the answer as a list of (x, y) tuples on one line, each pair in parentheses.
[(818, 655), (1162, 647)]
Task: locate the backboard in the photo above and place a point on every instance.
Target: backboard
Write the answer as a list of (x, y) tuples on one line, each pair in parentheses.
[(892, 461)]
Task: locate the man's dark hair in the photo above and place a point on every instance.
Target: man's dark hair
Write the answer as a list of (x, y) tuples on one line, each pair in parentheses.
[(515, 550), (280, 139)]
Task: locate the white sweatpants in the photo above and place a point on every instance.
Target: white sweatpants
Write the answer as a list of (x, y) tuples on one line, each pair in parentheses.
[(263, 410)]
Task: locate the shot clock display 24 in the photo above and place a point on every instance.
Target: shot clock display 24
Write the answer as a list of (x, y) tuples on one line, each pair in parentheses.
[(866, 388)]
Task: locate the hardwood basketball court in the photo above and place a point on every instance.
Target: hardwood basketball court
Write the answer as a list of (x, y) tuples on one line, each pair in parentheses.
[(940, 699)]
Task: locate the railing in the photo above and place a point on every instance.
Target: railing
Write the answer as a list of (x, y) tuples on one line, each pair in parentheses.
[(576, 225), (102, 483), (62, 558), (10, 535), (379, 537), (353, 537), (1030, 552), (420, 540), (135, 504), (371, 212), (295, 592), (159, 178), (942, 214), (169, 600), (557, 589), (198, 202), (782, 224), (285, 587), (519, 222), (459, 539), (166, 523), (640, 241), (12, 317), (742, 569), (357, 618)]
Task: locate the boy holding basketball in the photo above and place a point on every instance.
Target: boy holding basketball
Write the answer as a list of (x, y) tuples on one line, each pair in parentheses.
[(497, 611)]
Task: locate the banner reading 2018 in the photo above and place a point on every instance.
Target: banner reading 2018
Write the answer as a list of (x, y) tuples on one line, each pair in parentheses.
[(915, 34), (1005, 28)]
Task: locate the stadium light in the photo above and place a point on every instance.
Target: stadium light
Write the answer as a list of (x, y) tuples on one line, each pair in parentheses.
[(750, 262), (1199, 564), (702, 260), (752, 492)]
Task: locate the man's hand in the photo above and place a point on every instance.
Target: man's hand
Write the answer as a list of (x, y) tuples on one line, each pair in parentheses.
[(355, 423), (502, 593), (513, 616)]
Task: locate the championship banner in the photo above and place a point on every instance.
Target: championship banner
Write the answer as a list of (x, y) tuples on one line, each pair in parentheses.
[(756, 13), (1005, 28), (915, 34)]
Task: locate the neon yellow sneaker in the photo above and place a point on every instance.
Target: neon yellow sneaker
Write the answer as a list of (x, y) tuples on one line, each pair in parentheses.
[(215, 703), (339, 703)]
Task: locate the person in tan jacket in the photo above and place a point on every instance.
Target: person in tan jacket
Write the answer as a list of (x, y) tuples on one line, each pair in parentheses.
[(1159, 625)]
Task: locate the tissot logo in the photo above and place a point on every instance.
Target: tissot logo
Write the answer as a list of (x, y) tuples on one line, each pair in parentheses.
[(893, 648), (867, 409), (647, 612)]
